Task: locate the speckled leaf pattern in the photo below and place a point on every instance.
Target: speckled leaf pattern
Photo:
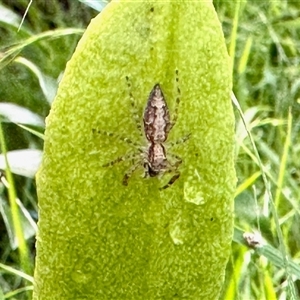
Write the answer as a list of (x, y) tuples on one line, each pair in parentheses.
[(99, 239)]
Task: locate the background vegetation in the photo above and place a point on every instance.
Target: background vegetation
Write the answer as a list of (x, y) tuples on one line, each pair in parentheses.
[(263, 41)]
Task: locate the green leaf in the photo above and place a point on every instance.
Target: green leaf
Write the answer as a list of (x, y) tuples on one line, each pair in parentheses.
[(17, 114), (271, 253), (99, 239), (47, 84), (23, 162), (13, 51), (95, 4)]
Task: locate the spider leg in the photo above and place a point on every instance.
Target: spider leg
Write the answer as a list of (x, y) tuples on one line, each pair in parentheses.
[(177, 163), (120, 159), (171, 181), (117, 136), (129, 173), (146, 168), (134, 108), (172, 168), (180, 141)]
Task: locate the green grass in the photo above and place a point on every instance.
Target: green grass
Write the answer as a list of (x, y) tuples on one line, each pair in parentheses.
[(263, 42)]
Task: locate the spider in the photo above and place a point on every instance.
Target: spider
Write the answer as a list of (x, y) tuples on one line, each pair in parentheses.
[(157, 125)]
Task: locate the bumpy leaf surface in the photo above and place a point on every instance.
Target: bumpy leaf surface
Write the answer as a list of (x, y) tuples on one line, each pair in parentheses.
[(99, 239)]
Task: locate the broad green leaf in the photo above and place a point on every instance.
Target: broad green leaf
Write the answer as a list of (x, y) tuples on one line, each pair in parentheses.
[(99, 239)]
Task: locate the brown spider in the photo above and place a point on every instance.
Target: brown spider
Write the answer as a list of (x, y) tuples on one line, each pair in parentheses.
[(157, 125)]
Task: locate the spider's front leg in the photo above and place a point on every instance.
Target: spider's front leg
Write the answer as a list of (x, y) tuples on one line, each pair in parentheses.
[(175, 115)]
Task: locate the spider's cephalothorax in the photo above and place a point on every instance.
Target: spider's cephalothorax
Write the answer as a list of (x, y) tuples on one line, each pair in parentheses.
[(157, 125)]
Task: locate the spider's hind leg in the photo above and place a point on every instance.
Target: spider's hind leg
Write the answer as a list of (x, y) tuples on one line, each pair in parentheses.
[(129, 173), (173, 168), (171, 181), (122, 158)]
